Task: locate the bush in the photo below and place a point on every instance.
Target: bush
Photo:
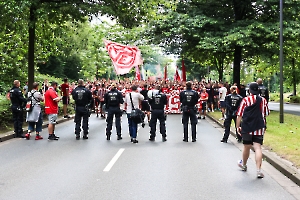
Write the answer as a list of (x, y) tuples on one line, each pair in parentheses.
[(295, 99), (5, 112)]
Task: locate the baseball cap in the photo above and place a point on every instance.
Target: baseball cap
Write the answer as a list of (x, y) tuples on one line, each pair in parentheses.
[(253, 88)]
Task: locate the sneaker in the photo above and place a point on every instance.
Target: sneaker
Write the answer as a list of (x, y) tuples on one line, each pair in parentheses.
[(203, 118), (134, 141), (194, 140), (66, 117), (55, 136), (85, 137), (212, 111), (164, 139), (151, 139), (243, 167), (38, 137), (52, 137), (107, 137), (27, 136), (77, 137), (185, 140), (224, 141), (222, 118), (119, 137), (199, 117), (260, 174)]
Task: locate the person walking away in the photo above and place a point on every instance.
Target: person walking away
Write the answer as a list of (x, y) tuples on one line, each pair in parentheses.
[(134, 98), (188, 100), (145, 102), (83, 100), (51, 109), (263, 90), (17, 104), (113, 99), (253, 111), (203, 102), (64, 92), (158, 101), (222, 95), (35, 117), (232, 103)]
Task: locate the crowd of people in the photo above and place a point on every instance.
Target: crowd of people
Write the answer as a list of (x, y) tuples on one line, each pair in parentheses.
[(110, 98)]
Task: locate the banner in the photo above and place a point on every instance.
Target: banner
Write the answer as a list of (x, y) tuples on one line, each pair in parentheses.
[(123, 57)]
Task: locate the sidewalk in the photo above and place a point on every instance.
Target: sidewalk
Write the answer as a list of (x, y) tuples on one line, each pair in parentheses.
[(10, 135), (282, 165)]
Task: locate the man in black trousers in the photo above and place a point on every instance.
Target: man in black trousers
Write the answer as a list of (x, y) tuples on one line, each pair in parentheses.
[(157, 101), (83, 99), (189, 99), (17, 104)]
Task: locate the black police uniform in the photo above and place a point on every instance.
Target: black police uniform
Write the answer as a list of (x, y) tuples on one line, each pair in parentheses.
[(263, 92), (157, 103), (18, 103), (112, 100), (189, 98), (232, 102), (83, 99)]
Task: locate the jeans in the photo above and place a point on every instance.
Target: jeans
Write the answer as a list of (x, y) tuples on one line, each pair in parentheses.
[(132, 127), (37, 125)]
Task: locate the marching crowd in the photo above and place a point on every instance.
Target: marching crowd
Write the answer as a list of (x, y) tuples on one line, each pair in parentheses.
[(110, 98)]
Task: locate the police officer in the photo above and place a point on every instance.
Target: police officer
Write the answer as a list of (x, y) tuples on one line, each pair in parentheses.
[(157, 101), (112, 100), (232, 102), (83, 99), (189, 99), (263, 90), (18, 103)]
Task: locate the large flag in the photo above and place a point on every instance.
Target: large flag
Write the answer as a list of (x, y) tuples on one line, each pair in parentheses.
[(183, 73), (176, 75), (166, 73), (123, 57), (137, 73)]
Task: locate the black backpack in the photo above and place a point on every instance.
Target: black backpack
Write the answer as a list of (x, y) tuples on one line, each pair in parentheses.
[(29, 104)]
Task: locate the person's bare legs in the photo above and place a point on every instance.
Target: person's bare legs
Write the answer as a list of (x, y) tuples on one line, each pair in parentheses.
[(246, 153), (258, 155)]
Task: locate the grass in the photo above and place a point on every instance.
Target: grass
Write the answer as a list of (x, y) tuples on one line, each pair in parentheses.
[(281, 138)]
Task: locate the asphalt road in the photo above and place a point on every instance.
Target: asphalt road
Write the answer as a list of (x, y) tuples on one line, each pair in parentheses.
[(100, 169), (287, 108)]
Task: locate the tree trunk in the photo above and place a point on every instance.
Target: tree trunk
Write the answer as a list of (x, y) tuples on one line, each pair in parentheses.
[(237, 65), (294, 78), (31, 26)]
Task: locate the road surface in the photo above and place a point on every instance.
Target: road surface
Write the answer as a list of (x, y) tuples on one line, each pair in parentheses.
[(101, 169)]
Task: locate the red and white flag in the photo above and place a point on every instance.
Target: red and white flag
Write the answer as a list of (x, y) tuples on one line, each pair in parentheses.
[(176, 75), (137, 73), (123, 57)]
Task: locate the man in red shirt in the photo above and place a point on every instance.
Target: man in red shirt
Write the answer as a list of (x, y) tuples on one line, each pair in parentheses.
[(203, 102), (51, 109), (64, 92)]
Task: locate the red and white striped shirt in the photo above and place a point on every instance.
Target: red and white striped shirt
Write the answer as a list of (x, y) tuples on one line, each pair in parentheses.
[(248, 101)]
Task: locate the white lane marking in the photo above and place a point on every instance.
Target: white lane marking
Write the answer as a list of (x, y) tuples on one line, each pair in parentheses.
[(113, 160)]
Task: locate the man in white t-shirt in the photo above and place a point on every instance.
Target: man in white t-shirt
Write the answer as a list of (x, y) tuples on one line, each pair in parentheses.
[(136, 99), (222, 95)]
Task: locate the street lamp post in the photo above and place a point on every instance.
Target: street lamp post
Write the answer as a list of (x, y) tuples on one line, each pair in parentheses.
[(281, 62)]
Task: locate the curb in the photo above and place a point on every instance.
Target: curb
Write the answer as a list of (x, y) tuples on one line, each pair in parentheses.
[(11, 135), (274, 160)]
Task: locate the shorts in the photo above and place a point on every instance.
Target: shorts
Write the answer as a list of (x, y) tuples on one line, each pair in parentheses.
[(65, 100), (145, 106), (249, 139), (52, 118), (204, 105), (222, 104)]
